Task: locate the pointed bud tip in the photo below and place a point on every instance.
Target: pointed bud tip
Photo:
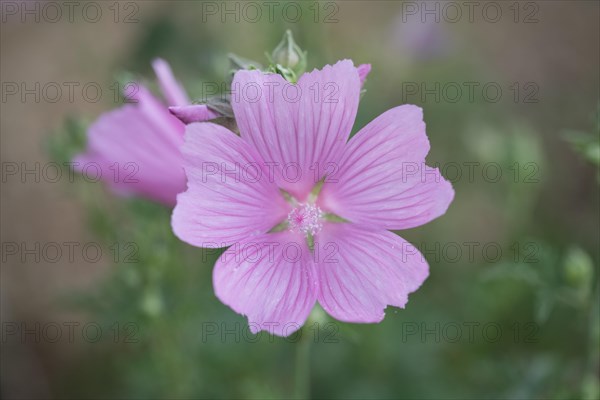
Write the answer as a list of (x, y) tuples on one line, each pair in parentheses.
[(289, 55)]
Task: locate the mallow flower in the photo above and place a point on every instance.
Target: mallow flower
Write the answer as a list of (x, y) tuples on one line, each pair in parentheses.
[(306, 212), (136, 148)]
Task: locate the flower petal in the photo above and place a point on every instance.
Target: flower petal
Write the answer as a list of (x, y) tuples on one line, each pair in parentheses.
[(158, 114), (230, 195), (363, 72), (171, 89), (270, 279), (193, 113), (382, 180), (302, 127), (136, 149), (364, 271)]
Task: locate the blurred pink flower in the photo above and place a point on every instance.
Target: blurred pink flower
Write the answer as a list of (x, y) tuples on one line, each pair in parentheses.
[(363, 72), (137, 147), (419, 40), (317, 231)]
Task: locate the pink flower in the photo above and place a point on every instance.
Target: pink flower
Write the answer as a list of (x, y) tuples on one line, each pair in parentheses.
[(305, 211), (136, 148)]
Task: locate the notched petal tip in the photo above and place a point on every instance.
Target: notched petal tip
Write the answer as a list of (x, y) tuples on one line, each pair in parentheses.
[(345, 66)]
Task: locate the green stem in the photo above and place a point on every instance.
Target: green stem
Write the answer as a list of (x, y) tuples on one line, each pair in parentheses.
[(302, 373)]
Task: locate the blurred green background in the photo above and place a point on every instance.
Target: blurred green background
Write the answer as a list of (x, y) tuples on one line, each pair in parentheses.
[(520, 324)]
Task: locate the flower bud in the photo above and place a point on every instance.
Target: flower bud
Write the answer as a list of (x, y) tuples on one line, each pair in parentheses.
[(288, 55)]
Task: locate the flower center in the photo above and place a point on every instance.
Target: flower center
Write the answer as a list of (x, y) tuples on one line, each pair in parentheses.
[(305, 218)]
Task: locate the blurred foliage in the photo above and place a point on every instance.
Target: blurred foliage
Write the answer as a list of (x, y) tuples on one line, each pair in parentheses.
[(65, 143), (587, 144)]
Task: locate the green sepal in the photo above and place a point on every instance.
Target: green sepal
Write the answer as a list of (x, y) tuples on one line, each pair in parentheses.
[(334, 218), (310, 241)]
